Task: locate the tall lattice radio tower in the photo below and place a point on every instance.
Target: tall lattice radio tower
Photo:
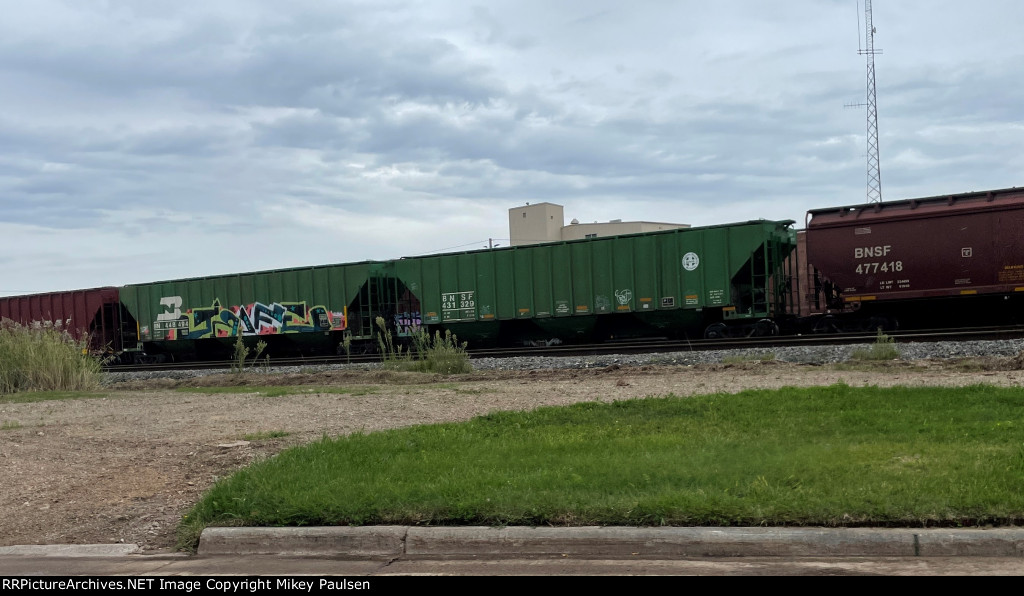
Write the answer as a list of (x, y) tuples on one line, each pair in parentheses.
[(874, 165)]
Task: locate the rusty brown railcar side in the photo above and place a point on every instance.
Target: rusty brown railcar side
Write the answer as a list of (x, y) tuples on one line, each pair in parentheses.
[(93, 313), (957, 246)]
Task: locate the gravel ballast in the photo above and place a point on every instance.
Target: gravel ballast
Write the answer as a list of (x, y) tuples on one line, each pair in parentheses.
[(814, 355)]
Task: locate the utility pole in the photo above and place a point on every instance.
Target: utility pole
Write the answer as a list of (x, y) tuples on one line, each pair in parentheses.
[(874, 163)]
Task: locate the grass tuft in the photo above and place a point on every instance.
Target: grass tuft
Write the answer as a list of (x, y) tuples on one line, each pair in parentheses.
[(441, 354), (44, 357), (884, 348), (393, 356), (238, 360)]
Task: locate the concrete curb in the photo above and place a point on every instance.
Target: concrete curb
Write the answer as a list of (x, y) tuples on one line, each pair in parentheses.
[(615, 542), (72, 550), (362, 541)]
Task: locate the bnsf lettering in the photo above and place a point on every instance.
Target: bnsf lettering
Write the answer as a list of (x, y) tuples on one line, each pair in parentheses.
[(871, 251)]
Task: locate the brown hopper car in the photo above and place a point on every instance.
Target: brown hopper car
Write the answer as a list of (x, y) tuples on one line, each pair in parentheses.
[(932, 262), (96, 314)]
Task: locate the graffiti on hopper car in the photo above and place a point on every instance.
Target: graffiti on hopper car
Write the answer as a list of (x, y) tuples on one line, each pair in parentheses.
[(245, 320), (408, 322)]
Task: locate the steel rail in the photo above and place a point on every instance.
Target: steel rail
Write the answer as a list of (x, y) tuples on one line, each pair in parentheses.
[(648, 346)]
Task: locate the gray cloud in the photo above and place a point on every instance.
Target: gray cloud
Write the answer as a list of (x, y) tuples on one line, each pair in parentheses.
[(193, 122)]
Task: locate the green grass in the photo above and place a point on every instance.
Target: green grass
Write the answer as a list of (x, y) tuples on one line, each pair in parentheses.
[(278, 391), (36, 396), (10, 425), (834, 456)]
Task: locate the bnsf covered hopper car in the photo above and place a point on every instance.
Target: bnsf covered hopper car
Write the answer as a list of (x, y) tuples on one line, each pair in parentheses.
[(302, 310), (692, 282), (924, 263), (714, 281), (95, 314)]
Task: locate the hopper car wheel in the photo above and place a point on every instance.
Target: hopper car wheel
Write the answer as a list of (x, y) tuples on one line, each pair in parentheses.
[(766, 328), (716, 331), (880, 323), (827, 324)]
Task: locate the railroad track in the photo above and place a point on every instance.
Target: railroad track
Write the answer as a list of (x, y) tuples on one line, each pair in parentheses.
[(646, 346)]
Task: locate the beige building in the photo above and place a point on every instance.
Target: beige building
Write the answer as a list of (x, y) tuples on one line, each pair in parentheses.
[(545, 222)]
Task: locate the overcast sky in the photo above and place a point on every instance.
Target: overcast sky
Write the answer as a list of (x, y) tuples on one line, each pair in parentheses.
[(142, 141)]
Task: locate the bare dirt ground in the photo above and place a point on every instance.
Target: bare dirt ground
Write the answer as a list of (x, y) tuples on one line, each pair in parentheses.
[(127, 466)]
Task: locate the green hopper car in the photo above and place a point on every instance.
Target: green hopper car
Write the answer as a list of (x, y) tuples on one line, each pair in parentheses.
[(303, 310), (693, 282)]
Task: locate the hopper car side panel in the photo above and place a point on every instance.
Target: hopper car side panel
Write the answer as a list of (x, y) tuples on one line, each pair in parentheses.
[(661, 283), (924, 252), (95, 314), (302, 309), (952, 246)]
